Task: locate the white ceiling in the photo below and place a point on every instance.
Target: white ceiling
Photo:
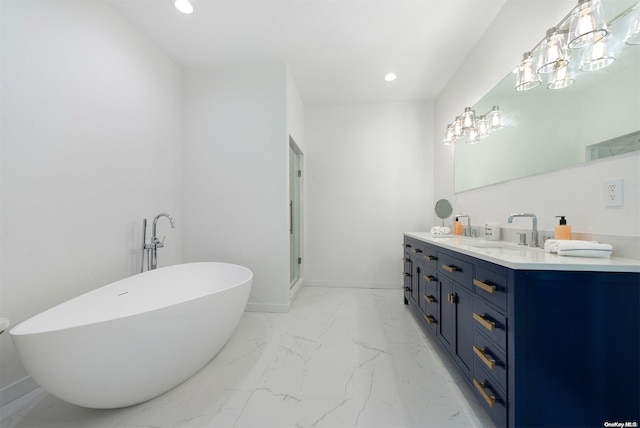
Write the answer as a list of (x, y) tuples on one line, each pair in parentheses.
[(338, 51)]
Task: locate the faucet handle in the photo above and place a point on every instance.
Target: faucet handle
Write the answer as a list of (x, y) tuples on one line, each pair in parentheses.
[(523, 239)]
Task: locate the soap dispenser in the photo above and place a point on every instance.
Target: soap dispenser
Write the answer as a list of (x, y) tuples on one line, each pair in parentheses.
[(457, 227), (563, 231)]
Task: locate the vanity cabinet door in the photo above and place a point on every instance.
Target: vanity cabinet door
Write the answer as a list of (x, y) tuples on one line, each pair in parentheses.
[(447, 326), (456, 323), (464, 330)]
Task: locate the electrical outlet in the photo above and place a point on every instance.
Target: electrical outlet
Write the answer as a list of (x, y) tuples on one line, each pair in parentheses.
[(613, 193)]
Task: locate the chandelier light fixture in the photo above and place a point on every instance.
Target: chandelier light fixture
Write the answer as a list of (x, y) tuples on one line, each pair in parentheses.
[(472, 127), (582, 36)]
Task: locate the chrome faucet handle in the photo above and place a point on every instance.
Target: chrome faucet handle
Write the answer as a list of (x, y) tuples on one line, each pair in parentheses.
[(523, 239)]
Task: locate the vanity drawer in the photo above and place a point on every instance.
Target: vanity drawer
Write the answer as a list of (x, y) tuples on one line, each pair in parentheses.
[(429, 257), (491, 396), (491, 286), (491, 358), (456, 269), (490, 322)]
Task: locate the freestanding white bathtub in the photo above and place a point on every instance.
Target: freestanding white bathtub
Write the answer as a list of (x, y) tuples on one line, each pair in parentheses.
[(137, 338)]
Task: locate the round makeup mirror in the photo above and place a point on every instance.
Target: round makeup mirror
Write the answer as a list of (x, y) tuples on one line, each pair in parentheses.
[(443, 209)]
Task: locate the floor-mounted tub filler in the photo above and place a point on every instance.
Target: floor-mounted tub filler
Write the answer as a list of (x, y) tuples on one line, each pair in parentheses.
[(134, 339)]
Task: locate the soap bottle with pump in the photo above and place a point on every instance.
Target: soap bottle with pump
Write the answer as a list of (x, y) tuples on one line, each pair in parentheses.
[(457, 227), (563, 230)]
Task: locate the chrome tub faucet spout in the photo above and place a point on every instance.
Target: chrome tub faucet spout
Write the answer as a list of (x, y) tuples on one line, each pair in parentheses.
[(151, 249), (534, 228)]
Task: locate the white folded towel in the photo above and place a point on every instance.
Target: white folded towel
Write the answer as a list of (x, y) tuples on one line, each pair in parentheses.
[(440, 230), (577, 248)]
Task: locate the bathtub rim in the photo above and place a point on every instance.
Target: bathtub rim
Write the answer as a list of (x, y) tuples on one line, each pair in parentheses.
[(26, 324)]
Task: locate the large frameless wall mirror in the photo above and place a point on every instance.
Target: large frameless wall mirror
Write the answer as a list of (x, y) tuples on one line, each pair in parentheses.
[(544, 129)]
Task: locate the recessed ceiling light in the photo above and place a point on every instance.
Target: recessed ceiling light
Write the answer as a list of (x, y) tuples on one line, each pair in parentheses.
[(390, 77), (184, 6)]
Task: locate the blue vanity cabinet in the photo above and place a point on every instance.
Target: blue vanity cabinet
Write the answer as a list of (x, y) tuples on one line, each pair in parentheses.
[(573, 348), (539, 348)]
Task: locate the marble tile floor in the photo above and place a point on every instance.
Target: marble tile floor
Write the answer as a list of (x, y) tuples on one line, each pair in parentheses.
[(341, 357)]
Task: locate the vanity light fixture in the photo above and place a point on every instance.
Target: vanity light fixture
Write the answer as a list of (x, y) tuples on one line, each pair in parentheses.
[(560, 79), (184, 6), (495, 118), (527, 73), (472, 126), (586, 24), (582, 36), (596, 56), (553, 52), (482, 125)]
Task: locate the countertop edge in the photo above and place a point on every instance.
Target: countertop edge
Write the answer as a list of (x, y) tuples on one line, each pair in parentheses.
[(528, 258)]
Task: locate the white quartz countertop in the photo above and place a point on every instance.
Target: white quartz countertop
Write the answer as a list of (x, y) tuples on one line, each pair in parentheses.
[(520, 257)]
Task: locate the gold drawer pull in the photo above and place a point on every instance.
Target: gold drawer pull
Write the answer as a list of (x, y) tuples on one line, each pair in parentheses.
[(417, 250), (489, 362), (431, 258), (404, 259), (490, 399), (450, 268), (429, 299), (429, 319), (489, 325), (483, 285), (429, 278), (406, 274), (406, 288)]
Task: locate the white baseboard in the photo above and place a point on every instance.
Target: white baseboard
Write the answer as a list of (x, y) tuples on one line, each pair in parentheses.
[(295, 290), (267, 307), (15, 396), (350, 284)]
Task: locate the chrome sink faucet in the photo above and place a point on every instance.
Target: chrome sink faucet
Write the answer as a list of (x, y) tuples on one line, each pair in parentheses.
[(534, 229), (152, 248), (468, 230)]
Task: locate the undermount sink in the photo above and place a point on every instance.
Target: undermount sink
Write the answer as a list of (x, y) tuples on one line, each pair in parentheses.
[(498, 245)]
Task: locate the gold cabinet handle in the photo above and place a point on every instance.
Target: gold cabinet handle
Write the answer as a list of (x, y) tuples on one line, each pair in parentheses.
[(404, 259), (429, 299), (490, 399), (489, 325), (489, 362), (429, 278), (417, 250), (451, 298), (429, 319), (431, 258), (407, 289), (483, 285), (450, 268), (406, 274)]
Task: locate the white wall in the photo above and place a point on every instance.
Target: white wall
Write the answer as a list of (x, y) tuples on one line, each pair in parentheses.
[(235, 193), (369, 178), (90, 145), (575, 192)]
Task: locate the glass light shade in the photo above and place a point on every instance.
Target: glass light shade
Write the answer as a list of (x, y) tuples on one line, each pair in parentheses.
[(495, 118), (183, 6), (472, 136), (448, 135), (586, 24), (596, 57), (482, 126), (561, 78), (468, 120), (527, 74), (457, 128), (553, 52), (633, 34)]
